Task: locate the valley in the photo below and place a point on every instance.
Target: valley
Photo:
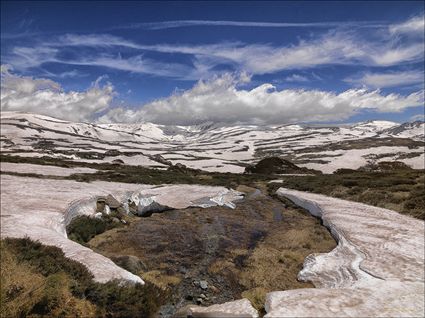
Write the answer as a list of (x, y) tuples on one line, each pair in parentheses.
[(201, 221)]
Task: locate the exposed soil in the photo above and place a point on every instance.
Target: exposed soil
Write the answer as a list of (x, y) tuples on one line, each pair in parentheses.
[(256, 248)]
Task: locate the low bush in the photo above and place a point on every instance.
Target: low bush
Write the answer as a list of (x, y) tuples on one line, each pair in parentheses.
[(83, 228), (65, 287)]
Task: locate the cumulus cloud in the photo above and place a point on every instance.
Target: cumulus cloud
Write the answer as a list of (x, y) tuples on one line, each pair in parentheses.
[(44, 96), (389, 79), (222, 100)]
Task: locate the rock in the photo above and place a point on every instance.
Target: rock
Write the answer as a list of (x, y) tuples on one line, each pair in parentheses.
[(161, 159), (116, 220), (148, 205), (118, 162), (100, 204), (203, 296), (203, 284), (112, 202), (98, 215), (199, 301), (131, 263), (106, 210)]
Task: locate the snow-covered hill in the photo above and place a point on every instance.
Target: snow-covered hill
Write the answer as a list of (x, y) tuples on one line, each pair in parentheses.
[(213, 147)]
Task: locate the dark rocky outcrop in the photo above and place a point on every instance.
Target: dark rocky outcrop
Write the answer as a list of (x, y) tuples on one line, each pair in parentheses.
[(276, 165)]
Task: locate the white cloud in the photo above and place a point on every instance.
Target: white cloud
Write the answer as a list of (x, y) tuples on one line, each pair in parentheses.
[(296, 78), (389, 79), (220, 100), (326, 49), (44, 96), (415, 25)]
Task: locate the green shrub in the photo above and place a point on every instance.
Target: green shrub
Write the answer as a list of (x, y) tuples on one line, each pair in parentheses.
[(83, 228), (65, 278)]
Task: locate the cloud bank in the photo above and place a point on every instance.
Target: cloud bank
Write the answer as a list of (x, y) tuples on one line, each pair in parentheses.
[(221, 100), (46, 97)]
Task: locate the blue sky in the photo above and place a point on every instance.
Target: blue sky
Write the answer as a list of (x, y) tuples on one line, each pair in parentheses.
[(187, 62)]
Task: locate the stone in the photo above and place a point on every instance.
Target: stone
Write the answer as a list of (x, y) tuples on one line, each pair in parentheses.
[(148, 205), (118, 162), (203, 284), (100, 204), (112, 202), (131, 263)]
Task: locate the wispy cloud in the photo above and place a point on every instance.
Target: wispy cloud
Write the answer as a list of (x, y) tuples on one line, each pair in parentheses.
[(415, 25), (331, 48), (217, 23), (388, 79), (296, 78), (334, 47)]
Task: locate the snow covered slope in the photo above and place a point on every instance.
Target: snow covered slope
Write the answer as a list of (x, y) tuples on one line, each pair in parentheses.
[(213, 147), (41, 208), (376, 269)]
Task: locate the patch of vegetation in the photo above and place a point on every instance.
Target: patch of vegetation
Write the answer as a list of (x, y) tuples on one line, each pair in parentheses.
[(39, 281), (138, 174), (400, 190), (83, 228)]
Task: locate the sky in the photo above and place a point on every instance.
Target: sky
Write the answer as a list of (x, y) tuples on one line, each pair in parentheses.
[(185, 63)]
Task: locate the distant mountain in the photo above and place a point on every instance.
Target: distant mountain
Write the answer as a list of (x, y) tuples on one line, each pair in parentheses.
[(212, 146)]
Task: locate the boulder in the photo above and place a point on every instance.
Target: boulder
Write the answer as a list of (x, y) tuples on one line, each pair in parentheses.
[(129, 262), (147, 205), (112, 202)]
